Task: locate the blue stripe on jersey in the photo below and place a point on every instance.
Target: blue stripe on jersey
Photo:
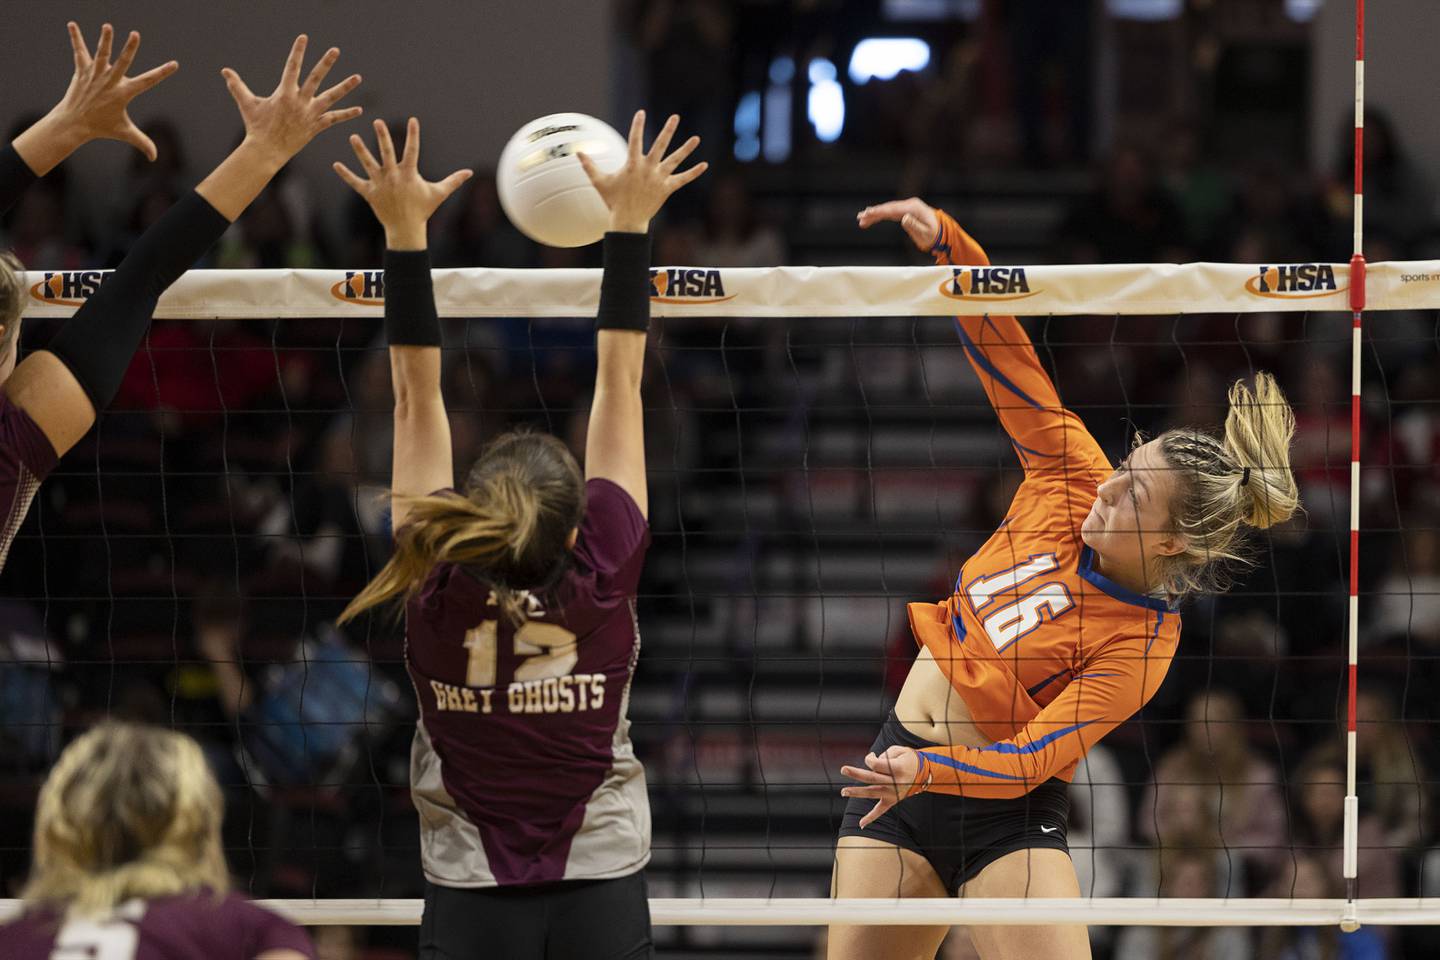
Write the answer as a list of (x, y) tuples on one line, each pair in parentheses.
[(1046, 682), (967, 768), (993, 370), (1035, 745)]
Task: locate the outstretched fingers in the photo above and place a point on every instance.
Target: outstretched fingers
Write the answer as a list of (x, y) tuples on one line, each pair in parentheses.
[(591, 171), (102, 49), (383, 141), (328, 120), (126, 58), (368, 163), (452, 183), (662, 141), (144, 81), (330, 97), (669, 164), (320, 70), (894, 210), (136, 137), (238, 90), (351, 180), (410, 156), (78, 47), (636, 140), (290, 76), (676, 181)]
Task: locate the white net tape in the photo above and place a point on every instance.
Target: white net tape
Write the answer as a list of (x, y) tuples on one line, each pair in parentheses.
[(787, 291)]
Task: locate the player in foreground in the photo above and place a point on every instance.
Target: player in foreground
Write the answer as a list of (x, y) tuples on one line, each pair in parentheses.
[(519, 593), (129, 864), (1061, 627), (51, 399)]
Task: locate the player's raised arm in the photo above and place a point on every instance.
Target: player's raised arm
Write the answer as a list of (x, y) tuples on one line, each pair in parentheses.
[(63, 386), (1046, 435), (95, 107), (615, 443), (403, 202)]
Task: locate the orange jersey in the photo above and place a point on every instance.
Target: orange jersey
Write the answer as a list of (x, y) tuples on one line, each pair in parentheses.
[(1048, 655)]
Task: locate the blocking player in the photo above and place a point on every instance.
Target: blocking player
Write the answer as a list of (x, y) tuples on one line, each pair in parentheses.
[(1061, 626), (50, 400), (519, 593)]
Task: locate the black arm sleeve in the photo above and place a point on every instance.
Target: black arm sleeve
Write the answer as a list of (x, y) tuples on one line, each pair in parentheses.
[(97, 343), (15, 178), (410, 316), (625, 285)]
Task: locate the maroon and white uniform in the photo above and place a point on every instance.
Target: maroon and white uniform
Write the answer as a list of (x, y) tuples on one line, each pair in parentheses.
[(26, 458), (522, 767), (194, 927)]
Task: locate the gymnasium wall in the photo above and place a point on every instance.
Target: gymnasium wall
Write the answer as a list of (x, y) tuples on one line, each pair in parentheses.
[(472, 70)]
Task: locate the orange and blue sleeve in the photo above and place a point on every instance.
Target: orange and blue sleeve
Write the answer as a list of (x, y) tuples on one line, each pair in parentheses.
[(1106, 693), (1045, 434)]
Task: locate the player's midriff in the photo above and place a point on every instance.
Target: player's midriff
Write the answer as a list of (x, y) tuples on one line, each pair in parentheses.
[(930, 708)]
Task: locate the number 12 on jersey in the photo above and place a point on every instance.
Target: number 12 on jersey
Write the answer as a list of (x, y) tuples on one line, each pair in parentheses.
[(549, 651)]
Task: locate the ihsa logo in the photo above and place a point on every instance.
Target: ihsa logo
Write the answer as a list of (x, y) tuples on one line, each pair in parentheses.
[(365, 288), (70, 288), (1297, 281), (989, 284), (687, 285)]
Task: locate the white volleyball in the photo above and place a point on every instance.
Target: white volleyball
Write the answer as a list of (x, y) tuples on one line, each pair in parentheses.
[(542, 186)]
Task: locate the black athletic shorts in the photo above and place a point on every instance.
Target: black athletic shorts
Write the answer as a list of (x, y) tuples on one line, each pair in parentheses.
[(961, 836), (571, 920)]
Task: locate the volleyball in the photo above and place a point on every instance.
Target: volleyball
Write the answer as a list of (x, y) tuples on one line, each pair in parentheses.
[(544, 190)]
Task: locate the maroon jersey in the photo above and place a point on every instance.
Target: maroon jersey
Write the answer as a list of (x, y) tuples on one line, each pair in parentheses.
[(197, 927), (522, 767), (26, 458)]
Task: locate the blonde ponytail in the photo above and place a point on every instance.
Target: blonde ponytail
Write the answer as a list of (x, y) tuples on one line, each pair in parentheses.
[(524, 497), (1224, 485), (1258, 431)]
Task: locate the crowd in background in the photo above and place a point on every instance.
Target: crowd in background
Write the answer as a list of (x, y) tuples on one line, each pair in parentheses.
[(184, 563)]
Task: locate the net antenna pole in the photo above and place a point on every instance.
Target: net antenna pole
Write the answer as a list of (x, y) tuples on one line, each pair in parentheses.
[(1351, 921)]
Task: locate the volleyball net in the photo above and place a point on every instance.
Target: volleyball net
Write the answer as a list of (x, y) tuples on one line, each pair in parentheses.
[(820, 453)]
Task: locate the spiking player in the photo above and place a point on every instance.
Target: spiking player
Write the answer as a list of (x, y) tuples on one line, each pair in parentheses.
[(1061, 626), (521, 635), (51, 399)]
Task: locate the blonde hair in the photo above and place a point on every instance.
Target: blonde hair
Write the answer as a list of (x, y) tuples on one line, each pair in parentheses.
[(1225, 484), (128, 812), (524, 496), (12, 300)]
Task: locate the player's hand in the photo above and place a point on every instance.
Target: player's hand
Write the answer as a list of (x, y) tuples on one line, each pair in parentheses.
[(637, 191), (887, 778), (403, 200), (95, 105), (284, 122), (916, 216)]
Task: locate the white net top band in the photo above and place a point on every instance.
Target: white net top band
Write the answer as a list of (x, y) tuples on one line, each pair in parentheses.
[(785, 291)]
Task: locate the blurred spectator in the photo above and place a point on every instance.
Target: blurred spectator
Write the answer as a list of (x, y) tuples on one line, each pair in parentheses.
[(1389, 769), (1407, 602), (1317, 828), (1319, 943), (1321, 454), (1187, 873), (1128, 218), (1399, 197), (30, 702), (687, 49), (1214, 787), (480, 234), (1201, 190), (1051, 61), (734, 235)]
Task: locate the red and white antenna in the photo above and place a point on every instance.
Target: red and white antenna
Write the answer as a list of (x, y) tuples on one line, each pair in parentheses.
[(1351, 920)]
